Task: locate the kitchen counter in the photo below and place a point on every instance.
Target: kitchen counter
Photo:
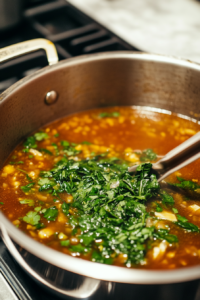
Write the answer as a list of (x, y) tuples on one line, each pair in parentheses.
[(166, 27)]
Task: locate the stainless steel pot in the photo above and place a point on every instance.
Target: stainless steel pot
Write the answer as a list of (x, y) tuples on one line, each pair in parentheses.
[(118, 78)]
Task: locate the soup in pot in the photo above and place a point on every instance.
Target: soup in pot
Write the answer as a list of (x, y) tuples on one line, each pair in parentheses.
[(68, 187)]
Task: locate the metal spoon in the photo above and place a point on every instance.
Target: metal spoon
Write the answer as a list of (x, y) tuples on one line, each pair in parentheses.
[(177, 158)]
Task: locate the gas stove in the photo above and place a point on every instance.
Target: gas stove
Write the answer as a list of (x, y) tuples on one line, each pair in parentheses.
[(69, 29), (73, 34)]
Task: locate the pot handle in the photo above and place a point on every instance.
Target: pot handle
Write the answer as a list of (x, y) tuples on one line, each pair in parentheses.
[(88, 287), (22, 48)]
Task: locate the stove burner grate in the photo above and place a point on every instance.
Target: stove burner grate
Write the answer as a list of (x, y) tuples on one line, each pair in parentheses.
[(73, 33)]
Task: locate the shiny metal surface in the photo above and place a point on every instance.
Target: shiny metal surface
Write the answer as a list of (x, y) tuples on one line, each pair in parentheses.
[(6, 293), (28, 47), (69, 285), (87, 286), (51, 97), (86, 82), (179, 157)]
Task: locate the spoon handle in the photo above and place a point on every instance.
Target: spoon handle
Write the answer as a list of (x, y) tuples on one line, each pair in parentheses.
[(179, 157)]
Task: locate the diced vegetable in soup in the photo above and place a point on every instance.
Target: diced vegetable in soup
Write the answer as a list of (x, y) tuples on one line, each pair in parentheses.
[(68, 187)]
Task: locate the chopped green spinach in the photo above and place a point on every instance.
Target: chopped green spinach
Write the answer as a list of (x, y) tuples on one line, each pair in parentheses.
[(86, 143), (69, 149), (167, 199), (27, 201), (186, 184), (30, 143), (29, 178), (183, 222), (55, 148), (148, 155), (39, 136), (51, 213), (158, 207), (175, 210), (109, 204), (163, 234), (27, 188), (46, 151), (65, 243), (16, 162), (45, 184), (109, 115)]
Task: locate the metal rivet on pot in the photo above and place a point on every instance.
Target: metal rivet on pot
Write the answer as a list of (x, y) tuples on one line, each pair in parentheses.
[(51, 97)]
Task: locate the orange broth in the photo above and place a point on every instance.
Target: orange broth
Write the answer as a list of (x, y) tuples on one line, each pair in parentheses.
[(120, 135)]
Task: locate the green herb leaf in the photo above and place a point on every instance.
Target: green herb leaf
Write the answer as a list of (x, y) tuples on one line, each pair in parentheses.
[(183, 222), (43, 181), (69, 149), (46, 151), (87, 239), (65, 143), (175, 210), (148, 155), (186, 184), (27, 201), (55, 148), (182, 219), (167, 199), (65, 208), (86, 143), (29, 178), (51, 213), (97, 257), (158, 207), (32, 218), (78, 248), (37, 208), (163, 234), (30, 143), (16, 162), (27, 187), (39, 136), (40, 226), (1, 203), (65, 243), (109, 115), (115, 114)]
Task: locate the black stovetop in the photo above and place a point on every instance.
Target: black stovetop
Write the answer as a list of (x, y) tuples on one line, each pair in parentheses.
[(73, 34)]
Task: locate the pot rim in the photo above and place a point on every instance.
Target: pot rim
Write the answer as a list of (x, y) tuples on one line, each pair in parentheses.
[(80, 266), (93, 269), (82, 59)]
